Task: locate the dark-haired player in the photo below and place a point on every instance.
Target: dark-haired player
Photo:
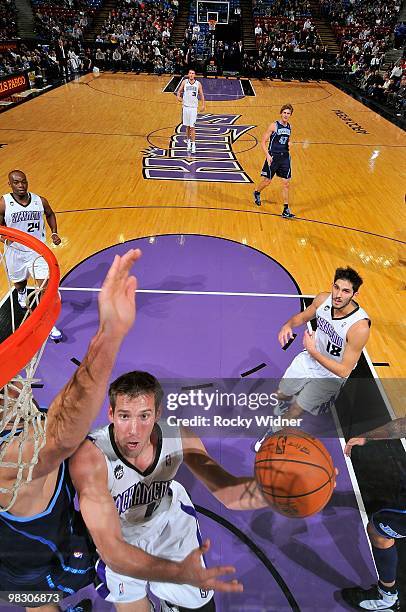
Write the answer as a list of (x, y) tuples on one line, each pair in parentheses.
[(315, 376), (276, 145), (384, 527)]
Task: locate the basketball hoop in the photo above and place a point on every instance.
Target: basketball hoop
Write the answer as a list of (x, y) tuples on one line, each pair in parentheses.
[(212, 24), (26, 339), (20, 353)]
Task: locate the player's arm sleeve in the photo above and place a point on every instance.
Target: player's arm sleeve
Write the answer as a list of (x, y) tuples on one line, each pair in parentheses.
[(235, 493), (88, 471)]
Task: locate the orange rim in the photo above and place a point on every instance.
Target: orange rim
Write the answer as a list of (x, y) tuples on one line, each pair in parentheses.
[(17, 350)]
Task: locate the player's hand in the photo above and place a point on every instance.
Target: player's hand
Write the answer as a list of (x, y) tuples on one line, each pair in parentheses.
[(117, 296), (285, 334), (192, 572), (309, 342), (55, 239), (269, 159), (353, 442)]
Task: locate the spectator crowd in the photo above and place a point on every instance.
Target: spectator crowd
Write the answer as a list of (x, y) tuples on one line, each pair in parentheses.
[(137, 36), (8, 22)]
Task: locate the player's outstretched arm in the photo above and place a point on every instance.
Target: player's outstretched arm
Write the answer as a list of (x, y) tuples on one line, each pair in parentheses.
[(393, 430), (89, 475), (286, 331), (235, 493), (73, 410), (357, 337)]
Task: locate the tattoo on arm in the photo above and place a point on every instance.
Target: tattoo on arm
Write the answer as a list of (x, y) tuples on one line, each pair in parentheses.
[(395, 429)]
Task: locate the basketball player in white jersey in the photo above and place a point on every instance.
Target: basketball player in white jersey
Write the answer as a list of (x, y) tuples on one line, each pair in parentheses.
[(25, 211), (124, 476), (51, 552), (315, 376), (191, 90)]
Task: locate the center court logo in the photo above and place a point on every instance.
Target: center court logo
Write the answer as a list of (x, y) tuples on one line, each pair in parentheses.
[(214, 160)]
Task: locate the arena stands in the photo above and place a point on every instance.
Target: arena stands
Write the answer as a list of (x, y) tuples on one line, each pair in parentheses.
[(137, 35), (8, 26), (69, 18)]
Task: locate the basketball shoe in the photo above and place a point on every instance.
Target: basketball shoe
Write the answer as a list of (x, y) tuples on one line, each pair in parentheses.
[(188, 145), (22, 298), (371, 599), (55, 334), (257, 198), (287, 213), (193, 147), (279, 410)]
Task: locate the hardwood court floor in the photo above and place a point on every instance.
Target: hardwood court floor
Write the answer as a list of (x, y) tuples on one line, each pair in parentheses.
[(82, 145)]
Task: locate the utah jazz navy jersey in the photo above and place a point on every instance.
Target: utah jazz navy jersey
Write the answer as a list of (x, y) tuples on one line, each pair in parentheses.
[(279, 140), (47, 551)]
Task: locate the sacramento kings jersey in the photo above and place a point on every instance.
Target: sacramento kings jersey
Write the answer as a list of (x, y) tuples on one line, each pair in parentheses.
[(29, 218), (141, 496), (331, 333), (278, 142), (190, 94)]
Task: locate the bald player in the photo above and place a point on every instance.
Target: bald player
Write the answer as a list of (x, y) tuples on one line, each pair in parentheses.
[(24, 210)]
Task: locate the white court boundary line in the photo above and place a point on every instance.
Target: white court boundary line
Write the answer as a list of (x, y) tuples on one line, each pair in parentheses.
[(250, 82), (354, 483), (208, 293)]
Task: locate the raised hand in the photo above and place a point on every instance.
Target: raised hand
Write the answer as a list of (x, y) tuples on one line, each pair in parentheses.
[(192, 572), (117, 296)]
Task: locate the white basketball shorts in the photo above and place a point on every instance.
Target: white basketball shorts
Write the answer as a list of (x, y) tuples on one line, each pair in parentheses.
[(22, 264), (172, 535), (314, 387), (189, 116)]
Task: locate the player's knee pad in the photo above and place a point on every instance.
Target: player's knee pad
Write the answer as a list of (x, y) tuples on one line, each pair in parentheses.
[(386, 560)]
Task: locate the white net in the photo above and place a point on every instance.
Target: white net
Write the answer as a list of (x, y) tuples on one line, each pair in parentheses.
[(22, 424)]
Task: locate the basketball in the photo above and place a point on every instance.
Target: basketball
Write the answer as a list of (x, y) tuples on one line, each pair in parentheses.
[(295, 473)]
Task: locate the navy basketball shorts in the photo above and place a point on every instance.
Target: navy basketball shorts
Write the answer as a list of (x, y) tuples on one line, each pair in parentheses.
[(280, 166), (390, 522)]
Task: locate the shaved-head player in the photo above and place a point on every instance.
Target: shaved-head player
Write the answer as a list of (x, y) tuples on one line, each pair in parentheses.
[(25, 211)]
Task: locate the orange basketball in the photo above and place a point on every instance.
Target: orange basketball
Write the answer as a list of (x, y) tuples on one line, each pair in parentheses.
[(295, 473)]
